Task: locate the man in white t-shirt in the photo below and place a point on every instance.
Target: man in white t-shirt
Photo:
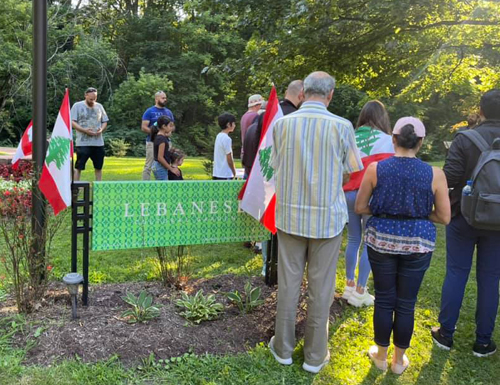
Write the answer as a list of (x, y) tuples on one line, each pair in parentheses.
[(223, 149)]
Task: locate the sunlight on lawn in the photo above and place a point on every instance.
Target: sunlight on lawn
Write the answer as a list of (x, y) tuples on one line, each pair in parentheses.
[(350, 335)]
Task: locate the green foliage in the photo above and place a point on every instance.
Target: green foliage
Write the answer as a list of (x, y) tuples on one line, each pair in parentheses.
[(142, 309), (208, 167), (152, 365), (58, 151), (249, 301), (119, 147), (173, 263), (199, 308), (3, 294)]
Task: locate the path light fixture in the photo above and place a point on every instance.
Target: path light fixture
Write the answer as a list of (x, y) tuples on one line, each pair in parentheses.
[(72, 281)]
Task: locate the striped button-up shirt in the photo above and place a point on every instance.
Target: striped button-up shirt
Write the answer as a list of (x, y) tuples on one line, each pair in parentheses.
[(312, 149)]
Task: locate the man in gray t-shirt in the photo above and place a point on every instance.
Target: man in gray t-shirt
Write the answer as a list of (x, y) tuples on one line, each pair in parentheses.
[(89, 122)]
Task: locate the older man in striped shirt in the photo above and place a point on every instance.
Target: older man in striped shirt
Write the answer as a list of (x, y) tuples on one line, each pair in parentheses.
[(312, 150)]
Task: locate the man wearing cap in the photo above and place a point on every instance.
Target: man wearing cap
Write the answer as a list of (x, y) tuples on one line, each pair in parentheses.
[(148, 119), (254, 103), (89, 121)]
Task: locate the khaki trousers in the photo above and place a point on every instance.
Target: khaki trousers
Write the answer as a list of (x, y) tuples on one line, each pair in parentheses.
[(146, 173), (321, 256)]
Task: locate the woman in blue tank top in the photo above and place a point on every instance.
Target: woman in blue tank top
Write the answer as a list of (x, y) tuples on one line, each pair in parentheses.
[(404, 196)]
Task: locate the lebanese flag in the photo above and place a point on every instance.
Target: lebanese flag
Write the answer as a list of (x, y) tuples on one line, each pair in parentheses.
[(374, 146), (258, 195), (55, 182), (25, 147)]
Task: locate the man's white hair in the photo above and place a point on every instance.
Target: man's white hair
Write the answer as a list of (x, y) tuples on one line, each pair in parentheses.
[(319, 84)]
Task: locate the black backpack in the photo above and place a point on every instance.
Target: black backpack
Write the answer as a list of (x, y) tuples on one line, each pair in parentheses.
[(481, 209)]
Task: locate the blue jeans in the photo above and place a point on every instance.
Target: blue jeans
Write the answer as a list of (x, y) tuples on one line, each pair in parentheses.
[(461, 239), (355, 229), (397, 279), (160, 172)]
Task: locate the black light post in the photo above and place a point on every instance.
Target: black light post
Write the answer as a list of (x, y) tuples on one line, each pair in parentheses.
[(39, 122)]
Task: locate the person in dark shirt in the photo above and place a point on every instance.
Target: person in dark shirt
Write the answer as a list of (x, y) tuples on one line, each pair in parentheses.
[(462, 239), (176, 159), (160, 136), (294, 96)]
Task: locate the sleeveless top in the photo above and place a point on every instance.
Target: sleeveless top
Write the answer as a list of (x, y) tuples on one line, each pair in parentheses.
[(401, 204)]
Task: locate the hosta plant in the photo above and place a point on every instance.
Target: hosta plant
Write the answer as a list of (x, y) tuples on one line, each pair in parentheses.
[(198, 308), (142, 308), (249, 300)]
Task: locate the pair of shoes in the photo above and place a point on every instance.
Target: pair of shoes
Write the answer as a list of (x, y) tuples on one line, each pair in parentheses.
[(480, 350), (348, 292), (398, 368), (440, 340), (316, 369), (359, 300), (380, 364), (282, 361)]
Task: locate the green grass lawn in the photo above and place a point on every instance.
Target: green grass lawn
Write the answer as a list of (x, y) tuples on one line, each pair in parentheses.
[(350, 335)]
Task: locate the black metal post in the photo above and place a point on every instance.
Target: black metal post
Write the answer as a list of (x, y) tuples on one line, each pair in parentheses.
[(39, 121), (86, 241), (74, 228), (84, 228), (271, 278)]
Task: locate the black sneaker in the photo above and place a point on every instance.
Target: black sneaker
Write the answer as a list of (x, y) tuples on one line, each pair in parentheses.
[(440, 340), (480, 350)]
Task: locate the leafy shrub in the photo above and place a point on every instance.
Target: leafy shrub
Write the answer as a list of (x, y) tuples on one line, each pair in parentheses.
[(173, 265), (208, 167), (24, 171), (199, 308), (119, 147), (249, 301), (142, 309)]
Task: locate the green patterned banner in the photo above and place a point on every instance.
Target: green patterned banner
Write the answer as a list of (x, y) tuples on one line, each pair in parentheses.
[(129, 215)]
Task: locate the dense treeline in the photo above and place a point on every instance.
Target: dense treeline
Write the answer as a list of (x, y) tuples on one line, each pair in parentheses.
[(431, 58)]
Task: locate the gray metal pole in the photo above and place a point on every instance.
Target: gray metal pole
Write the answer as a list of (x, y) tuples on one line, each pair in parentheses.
[(39, 123)]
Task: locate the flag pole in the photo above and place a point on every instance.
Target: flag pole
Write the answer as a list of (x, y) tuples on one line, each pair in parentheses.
[(39, 124)]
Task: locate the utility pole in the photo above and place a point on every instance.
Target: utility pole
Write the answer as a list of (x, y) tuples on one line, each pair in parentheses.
[(39, 125)]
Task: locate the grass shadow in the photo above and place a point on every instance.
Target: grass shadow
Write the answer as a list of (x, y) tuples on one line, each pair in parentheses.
[(434, 367)]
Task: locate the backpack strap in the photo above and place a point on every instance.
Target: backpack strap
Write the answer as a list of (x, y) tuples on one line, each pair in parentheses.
[(476, 138)]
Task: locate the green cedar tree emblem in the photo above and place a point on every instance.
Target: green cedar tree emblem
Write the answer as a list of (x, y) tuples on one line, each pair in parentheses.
[(264, 160), (58, 151), (366, 139)]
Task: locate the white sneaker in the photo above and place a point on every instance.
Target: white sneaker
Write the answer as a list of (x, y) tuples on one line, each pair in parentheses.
[(359, 300), (316, 369), (282, 361), (348, 292)]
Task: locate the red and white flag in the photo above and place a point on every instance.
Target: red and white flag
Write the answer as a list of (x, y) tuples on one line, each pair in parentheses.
[(55, 182), (25, 147), (258, 195)]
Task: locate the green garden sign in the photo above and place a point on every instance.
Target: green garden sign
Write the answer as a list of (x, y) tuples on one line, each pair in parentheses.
[(130, 215)]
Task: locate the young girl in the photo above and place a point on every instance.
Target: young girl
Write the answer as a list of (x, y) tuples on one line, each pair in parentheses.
[(160, 136), (176, 159)]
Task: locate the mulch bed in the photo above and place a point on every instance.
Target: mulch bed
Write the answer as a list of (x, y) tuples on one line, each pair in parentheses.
[(100, 332)]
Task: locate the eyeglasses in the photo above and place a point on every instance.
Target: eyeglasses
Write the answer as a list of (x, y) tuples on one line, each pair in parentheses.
[(90, 89)]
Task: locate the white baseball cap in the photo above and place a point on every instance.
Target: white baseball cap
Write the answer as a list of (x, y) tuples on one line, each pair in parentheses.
[(417, 124), (255, 100)]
